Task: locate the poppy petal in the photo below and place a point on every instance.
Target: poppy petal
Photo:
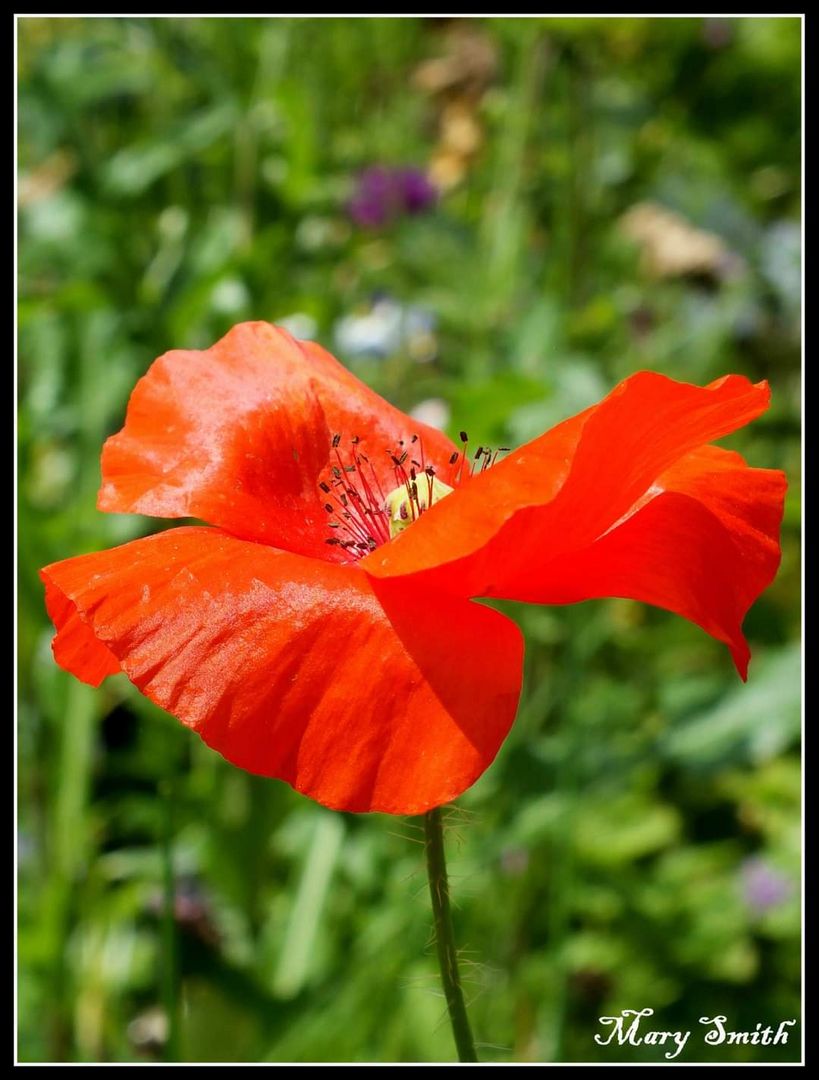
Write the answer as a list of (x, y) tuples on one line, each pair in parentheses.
[(240, 434), (622, 500), (561, 491), (704, 545), (76, 648), (364, 696)]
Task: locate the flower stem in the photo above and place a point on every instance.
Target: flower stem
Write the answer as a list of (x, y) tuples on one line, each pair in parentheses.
[(445, 937)]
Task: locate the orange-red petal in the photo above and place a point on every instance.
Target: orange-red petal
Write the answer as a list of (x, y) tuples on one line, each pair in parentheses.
[(704, 545), (76, 648), (239, 435), (364, 696), (622, 500)]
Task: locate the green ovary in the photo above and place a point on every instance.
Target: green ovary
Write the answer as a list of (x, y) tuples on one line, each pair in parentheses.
[(408, 501)]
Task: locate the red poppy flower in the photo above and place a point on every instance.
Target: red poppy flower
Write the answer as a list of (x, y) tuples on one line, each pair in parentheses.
[(309, 635)]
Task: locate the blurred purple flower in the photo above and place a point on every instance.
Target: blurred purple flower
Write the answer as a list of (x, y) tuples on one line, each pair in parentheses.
[(418, 190), (192, 909), (763, 886), (514, 861), (717, 32), (384, 193)]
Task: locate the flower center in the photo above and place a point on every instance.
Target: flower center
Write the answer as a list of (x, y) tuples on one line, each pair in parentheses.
[(362, 516)]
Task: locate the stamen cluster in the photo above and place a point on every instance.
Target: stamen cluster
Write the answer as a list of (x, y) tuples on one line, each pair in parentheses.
[(362, 515)]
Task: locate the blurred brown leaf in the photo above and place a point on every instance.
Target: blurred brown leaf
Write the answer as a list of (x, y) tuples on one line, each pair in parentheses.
[(47, 178), (670, 246)]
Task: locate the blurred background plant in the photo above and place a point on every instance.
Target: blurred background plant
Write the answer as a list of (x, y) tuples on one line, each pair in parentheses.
[(490, 221)]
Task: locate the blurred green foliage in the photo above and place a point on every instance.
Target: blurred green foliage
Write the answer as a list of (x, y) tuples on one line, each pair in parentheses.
[(180, 175)]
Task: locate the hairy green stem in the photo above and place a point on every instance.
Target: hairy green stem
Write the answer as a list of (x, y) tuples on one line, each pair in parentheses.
[(445, 937)]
